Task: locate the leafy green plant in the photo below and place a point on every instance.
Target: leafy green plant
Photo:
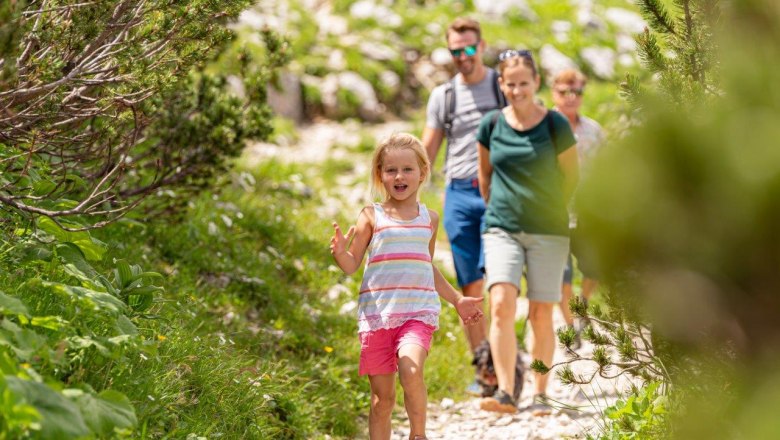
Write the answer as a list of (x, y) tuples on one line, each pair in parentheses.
[(641, 415)]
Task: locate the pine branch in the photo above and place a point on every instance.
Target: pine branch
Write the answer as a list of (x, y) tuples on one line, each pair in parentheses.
[(655, 12), (650, 52)]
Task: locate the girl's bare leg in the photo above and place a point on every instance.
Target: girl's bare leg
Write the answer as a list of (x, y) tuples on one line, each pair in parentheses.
[(411, 360), (382, 403)]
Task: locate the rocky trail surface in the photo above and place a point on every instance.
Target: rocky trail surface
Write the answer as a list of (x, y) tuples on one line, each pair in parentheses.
[(577, 410)]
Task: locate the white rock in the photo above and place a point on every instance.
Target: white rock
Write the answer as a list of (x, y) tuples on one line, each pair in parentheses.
[(236, 85), (363, 90), (332, 24), (625, 43), (336, 60), (362, 9), (552, 61), (626, 20), (626, 60), (446, 403), (335, 292), (378, 51), (560, 30), (434, 28), (500, 8), (441, 56), (390, 79), (601, 61), (348, 307), (252, 19)]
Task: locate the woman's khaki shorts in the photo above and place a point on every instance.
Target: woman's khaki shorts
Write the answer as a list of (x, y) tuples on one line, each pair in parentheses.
[(542, 256)]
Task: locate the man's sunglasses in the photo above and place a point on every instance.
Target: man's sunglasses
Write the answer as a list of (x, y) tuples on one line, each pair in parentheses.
[(511, 53), (470, 51), (576, 91)]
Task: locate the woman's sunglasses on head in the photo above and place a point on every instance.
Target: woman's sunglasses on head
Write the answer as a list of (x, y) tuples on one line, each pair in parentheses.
[(470, 51), (511, 53)]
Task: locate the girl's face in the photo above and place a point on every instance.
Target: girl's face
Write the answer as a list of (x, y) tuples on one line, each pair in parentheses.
[(519, 85), (401, 174)]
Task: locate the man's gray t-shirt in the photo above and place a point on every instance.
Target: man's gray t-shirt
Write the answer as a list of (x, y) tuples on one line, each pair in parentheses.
[(471, 102)]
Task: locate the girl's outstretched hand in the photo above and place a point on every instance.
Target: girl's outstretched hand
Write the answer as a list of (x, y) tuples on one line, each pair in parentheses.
[(469, 309), (339, 241)]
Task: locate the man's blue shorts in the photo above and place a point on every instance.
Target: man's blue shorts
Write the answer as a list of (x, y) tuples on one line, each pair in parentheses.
[(464, 212)]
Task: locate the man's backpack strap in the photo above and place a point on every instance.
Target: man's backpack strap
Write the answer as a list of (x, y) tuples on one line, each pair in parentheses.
[(493, 121), (449, 106), (500, 98)]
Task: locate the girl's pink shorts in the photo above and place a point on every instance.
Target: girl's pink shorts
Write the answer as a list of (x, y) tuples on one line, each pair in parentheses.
[(379, 348)]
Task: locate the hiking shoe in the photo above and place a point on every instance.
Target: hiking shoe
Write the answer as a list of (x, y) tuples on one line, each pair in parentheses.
[(499, 402), (474, 389), (540, 406)]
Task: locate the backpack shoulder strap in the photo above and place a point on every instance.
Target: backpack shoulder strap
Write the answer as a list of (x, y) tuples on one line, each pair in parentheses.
[(551, 127), (500, 98), (493, 121), (449, 105)]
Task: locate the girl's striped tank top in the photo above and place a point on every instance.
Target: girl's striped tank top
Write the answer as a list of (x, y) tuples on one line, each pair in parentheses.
[(398, 278)]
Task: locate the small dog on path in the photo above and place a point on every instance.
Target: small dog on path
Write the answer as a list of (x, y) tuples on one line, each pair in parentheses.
[(486, 373)]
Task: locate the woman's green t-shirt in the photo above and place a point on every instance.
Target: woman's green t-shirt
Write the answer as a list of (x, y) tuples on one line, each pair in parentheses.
[(526, 190)]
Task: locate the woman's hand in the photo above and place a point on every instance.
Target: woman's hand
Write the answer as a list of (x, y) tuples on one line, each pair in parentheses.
[(470, 309)]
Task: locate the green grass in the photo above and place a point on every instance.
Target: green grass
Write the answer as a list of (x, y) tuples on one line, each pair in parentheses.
[(243, 343)]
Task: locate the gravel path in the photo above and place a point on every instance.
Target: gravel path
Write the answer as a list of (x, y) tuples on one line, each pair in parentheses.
[(577, 412)]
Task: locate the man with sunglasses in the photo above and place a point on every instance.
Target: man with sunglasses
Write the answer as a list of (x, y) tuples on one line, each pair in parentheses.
[(454, 111)]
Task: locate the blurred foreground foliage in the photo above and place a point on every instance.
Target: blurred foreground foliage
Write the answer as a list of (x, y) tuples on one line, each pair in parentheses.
[(685, 211)]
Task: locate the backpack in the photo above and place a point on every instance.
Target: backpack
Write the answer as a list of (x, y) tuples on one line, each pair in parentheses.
[(449, 100)]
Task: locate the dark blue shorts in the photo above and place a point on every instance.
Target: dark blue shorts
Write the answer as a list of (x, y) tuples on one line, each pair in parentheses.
[(464, 210), (568, 273)]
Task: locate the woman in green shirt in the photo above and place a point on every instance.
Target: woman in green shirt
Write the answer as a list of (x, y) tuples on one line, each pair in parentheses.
[(527, 171)]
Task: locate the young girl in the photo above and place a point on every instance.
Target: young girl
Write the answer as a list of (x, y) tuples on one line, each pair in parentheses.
[(398, 309)]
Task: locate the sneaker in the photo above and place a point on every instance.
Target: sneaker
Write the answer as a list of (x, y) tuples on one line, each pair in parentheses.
[(474, 389), (499, 402), (540, 406)]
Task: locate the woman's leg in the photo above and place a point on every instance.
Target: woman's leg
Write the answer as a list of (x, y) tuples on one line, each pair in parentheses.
[(411, 360), (588, 287), (540, 316), (382, 403), (503, 340)]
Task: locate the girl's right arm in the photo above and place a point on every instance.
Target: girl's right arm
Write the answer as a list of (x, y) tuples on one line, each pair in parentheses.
[(349, 260), (485, 171)]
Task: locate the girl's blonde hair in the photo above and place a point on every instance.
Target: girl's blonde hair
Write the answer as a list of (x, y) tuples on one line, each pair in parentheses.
[(397, 141)]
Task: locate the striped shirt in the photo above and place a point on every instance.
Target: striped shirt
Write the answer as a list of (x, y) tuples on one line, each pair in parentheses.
[(398, 278)]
